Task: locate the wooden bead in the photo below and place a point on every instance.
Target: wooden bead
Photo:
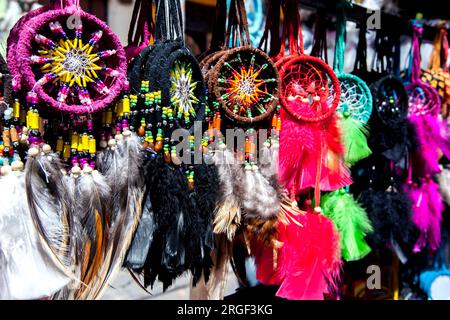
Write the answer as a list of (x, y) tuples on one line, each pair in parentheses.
[(158, 146), (33, 152)]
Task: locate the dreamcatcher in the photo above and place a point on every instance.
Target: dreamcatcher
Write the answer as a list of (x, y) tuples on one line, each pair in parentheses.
[(355, 108), (71, 60), (380, 177), (424, 106), (310, 94), (168, 99), (304, 265), (243, 87)]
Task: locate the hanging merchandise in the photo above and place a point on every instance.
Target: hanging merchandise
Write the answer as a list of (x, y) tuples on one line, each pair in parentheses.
[(243, 95), (437, 74), (355, 106), (424, 107), (379, 178), (444, 183), (168, 94), (310, 94), (305, 260), (71, 60), (141, 30)]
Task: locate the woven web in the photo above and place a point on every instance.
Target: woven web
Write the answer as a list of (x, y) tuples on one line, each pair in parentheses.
[(184, 91), (354, 99), (246, 83), (308, 89), (389, 104), (70, 64), (419, 101)]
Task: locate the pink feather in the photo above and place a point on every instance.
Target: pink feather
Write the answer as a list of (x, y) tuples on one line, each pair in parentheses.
[(308, 262), (302, 144)]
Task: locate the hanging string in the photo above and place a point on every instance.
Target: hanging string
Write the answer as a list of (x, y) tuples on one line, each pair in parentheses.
[(417, 34), (339, 49)]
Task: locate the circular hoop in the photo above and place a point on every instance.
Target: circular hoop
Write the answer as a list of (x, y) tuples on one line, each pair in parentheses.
[(12, 42), (182, 61), (390, 100), (322, 86), (246, 97), (118, 61), (356, 98), (423, 99)]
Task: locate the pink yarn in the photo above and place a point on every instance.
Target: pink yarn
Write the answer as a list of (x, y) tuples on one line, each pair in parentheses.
[(24, 51), (13, 39)]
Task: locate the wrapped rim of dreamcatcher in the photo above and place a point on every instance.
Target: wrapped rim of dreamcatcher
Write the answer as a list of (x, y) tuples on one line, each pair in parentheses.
[(390, 100), (244, 81), (242, 87), (136, 69), (356, 98), (312, 83), (96, 73), (12, 42), (183, 87), (172, 69), (423, 99), (5, 85)]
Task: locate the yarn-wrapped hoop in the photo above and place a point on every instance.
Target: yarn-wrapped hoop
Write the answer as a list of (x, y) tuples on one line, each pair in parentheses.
[(12, 42), (423, 99), (356, 98), (390, 100), (312, 82), (184, 88), (82, 71), (246, 84), (5, 84)]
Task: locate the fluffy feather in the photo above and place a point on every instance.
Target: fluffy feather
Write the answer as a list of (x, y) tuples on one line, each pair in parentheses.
[(301, 145), (126, 183), (306, 261), (49, 203), (28, 269), (227, 217), (352, 222), (354, 134)]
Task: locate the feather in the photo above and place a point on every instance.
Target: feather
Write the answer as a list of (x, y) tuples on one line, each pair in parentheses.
[(28, 269), (206, 197), (227, 218), (354, 134), (49, 203), (307, 256), (352, 222), (303, 146), (143, 236), (390, 214), (126, 183), (93, 200), (214, 288)]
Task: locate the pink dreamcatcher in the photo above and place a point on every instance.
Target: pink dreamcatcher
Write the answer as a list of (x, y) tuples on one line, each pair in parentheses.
[(71, 60)]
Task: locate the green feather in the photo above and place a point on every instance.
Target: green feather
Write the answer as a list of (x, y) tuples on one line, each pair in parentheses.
[(355, 139), (352, 222)]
